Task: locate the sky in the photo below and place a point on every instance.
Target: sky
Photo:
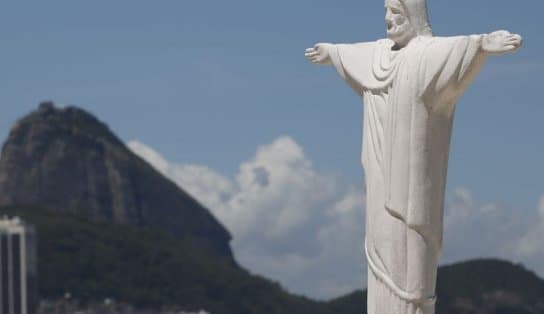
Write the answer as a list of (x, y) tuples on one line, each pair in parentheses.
[(219, 97)]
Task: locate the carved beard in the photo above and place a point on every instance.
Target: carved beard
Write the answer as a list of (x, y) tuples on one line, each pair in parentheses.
[(401, 32)]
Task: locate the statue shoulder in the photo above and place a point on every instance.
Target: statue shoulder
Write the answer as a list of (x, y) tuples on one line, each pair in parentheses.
[(445, 39), (385, 42), (357, 48), (433, 43), (363, 44)]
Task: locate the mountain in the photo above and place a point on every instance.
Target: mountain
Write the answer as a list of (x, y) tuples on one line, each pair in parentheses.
[(483, 286), (148, 269), (489, 286), (68, 161), (151, 271)]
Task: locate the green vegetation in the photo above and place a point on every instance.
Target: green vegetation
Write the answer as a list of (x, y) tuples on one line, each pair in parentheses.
[(494, 285), (485, 286), (94, 261), (353, 303)]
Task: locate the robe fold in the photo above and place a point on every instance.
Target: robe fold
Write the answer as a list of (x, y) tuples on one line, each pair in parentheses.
[(409, 100)]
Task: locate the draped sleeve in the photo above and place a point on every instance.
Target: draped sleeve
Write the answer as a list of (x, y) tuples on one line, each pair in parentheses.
[(434, 73), (364, 66), (451, 63)]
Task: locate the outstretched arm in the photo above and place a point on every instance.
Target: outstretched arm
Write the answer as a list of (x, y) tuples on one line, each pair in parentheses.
[(353, 62), (320, 53), (501, 42)]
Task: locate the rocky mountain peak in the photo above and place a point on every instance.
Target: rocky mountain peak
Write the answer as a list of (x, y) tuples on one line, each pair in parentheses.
[(65, 159)]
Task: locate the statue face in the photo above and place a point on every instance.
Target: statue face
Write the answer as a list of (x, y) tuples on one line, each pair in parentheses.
[(399, 28)]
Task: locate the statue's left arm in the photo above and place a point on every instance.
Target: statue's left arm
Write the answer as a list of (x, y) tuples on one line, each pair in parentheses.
[(501, 42), (451, 63)]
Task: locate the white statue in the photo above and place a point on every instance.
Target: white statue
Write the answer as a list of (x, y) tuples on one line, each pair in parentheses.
[(410, 84)]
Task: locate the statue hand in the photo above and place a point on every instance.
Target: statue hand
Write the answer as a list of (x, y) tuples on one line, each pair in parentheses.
[(319, 54), (500, 42)]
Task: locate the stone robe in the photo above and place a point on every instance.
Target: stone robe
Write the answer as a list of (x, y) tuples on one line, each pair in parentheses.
[(409, 102)]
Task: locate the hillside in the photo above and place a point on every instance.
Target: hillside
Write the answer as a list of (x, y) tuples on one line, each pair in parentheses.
[(67, 160), (94, 261), (485, 286), (489, 286)]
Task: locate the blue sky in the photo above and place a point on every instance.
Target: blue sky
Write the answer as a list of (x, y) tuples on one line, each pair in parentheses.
[(209, 82)]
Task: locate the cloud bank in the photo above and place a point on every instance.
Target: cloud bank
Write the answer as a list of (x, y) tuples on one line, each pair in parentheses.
[(475, 229), (289, 222), (530, 248), (305, 229)]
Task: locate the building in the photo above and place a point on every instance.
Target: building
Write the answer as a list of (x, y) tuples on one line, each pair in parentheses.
[(18, 267)]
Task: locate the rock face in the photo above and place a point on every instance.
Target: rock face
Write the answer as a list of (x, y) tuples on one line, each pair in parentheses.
[(67, 160)]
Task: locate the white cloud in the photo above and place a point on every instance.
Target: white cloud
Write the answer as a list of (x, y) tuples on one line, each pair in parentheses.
[(149, 155), (530, 246), (305, 229), (475, 230), (288, 221), (459, 207)]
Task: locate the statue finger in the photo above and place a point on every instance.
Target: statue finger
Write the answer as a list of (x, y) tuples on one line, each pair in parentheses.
[(513, 41), (510, 47), (518, 38), (318, 46)]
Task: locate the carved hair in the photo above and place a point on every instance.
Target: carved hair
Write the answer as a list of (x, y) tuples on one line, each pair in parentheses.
[(417, 14)]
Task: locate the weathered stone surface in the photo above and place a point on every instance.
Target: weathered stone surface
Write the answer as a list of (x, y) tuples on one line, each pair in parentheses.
[(67, 160)]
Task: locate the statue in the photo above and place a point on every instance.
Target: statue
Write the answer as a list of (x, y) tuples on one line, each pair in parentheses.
[(410, 83)]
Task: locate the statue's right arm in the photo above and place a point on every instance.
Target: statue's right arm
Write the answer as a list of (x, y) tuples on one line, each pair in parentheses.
[(321, 53)]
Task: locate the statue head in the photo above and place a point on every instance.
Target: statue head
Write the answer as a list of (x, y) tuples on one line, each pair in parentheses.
[(405, 20)]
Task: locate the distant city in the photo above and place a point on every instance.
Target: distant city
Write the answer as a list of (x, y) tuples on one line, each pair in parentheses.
[(18, 266), (18, 273)]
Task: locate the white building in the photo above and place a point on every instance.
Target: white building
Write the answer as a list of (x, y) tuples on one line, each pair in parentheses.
[(18, 273)]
